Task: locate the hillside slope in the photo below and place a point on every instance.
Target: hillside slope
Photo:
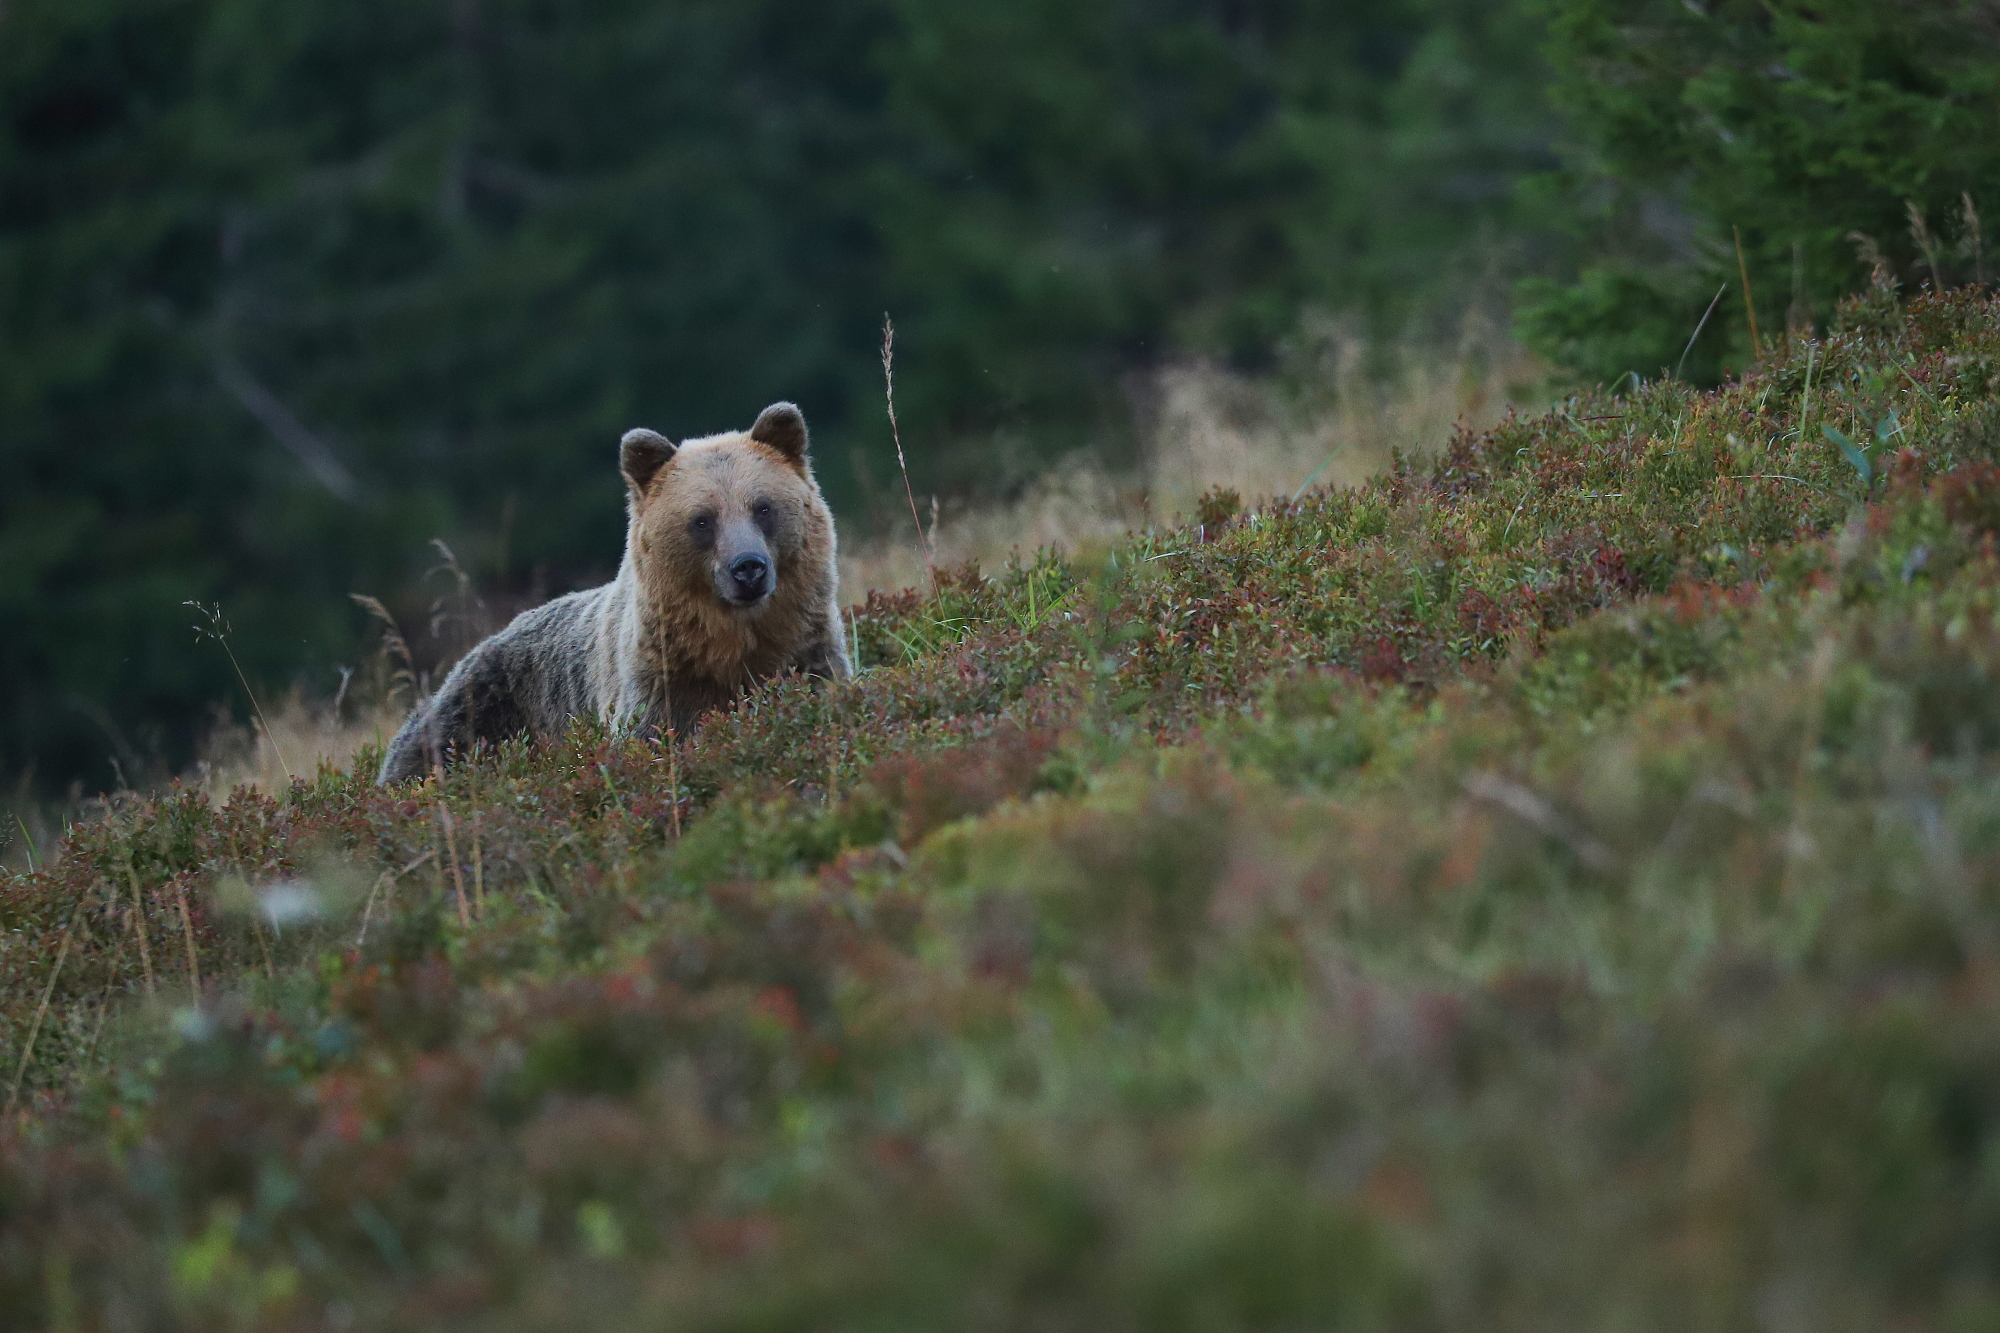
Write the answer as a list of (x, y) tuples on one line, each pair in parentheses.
[(1553, 887)]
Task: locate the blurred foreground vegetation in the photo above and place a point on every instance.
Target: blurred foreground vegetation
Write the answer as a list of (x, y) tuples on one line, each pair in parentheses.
[(1549, 886)]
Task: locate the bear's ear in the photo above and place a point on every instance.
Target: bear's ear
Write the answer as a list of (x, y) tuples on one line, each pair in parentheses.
[(641, 455), (783, 427)]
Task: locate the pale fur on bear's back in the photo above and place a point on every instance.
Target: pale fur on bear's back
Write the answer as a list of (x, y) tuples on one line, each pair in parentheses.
[(660, 644)]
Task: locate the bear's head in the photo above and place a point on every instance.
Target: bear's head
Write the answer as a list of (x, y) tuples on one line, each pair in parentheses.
[(731, 522)]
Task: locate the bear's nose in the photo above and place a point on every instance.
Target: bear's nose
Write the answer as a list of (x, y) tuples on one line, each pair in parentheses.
[(749, 577)]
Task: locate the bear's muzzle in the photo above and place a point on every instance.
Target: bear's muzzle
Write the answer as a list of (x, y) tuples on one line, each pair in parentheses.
[(746, 581)]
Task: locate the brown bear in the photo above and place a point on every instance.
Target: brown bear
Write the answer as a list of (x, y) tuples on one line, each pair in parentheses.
[(728, 580)]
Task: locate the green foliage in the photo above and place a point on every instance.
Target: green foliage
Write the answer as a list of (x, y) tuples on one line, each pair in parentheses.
[(1837, 138), (1465, 927), (1612, 323)]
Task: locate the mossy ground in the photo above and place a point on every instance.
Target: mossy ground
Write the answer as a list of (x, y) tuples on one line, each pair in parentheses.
[(1557, 886)]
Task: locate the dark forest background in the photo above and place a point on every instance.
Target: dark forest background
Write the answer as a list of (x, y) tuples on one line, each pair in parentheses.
[(290, 287)]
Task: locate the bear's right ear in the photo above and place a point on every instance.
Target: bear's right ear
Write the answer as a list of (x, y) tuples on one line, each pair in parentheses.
[(641, 455)]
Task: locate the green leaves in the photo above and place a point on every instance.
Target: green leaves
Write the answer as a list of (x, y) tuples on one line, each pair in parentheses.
[(1858, 455), (1853, 453)]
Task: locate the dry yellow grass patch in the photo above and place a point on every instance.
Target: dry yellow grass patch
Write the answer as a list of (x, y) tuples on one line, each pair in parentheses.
[(1210, 428), (304, 734)]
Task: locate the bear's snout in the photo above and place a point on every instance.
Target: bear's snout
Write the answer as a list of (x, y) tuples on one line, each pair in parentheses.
[(748, 579)]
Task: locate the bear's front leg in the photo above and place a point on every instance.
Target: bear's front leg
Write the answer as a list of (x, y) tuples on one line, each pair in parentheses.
[(825, 658)]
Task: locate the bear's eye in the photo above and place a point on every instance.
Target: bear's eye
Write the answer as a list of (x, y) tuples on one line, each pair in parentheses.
[(762, 510), (702, 526)]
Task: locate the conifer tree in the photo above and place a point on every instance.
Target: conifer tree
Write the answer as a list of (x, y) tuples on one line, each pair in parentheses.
[(1829, 136)]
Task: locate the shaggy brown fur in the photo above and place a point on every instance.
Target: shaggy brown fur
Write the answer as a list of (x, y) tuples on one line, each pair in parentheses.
[(728, 580)]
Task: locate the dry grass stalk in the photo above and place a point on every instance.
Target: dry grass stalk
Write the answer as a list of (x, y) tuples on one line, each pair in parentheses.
[(466, 612), (187, 932), (42, 1010), (1695, 337), (443, 818), (139, 925), (263, 947), (437, 855), (385, 881), (1972, 236), (395, 648), (895, 433), (1920, 232), (1799, 315), (218, 629), (478, 869), (1868, 251), (1749, 303), (668, 734)]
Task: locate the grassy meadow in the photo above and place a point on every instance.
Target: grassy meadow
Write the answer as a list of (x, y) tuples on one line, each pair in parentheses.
[(1549, 885)]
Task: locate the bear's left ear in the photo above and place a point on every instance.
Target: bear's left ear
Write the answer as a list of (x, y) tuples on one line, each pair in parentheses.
[(641, 455), (783, 427)]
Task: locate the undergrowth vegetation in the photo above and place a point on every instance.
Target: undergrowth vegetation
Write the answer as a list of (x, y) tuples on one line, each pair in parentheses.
[(1554, 886)]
